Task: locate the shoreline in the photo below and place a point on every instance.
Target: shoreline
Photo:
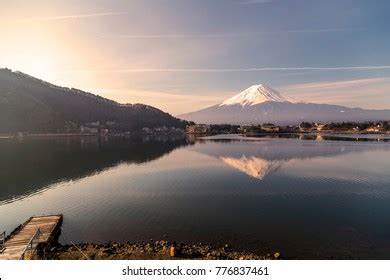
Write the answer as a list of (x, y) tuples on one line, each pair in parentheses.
[(152, 250), (324, 132)]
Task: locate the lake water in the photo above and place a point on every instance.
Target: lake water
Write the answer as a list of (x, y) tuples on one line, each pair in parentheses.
[(311, 197)]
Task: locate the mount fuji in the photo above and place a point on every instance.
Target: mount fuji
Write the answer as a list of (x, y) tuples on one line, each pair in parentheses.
[(261, 104)]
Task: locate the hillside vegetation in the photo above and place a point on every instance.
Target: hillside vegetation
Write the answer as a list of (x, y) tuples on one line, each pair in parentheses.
[(31, 105)]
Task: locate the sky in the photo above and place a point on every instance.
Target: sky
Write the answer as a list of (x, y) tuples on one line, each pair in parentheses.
[(185, 55)]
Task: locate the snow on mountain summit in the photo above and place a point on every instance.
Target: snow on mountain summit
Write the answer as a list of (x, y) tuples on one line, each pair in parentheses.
[(255, 95)]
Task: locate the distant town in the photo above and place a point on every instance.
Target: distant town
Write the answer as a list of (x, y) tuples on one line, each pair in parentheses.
[(305, 127), (109, 128)]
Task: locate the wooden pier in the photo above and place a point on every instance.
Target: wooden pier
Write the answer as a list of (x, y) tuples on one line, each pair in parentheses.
[(32, 238)]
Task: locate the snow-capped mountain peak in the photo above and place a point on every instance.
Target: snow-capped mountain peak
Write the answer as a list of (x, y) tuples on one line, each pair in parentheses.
[(261, 104), (255, 95)]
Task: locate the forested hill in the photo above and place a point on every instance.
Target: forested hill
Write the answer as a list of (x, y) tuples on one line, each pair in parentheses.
[(31, 105)]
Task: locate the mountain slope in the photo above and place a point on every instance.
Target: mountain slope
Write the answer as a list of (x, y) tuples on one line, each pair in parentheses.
[(261, 104), (32, 105)]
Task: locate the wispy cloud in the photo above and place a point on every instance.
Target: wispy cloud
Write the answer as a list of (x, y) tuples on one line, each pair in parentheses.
[(324, 30), (227, 70), (336, 84), (239, 34), (373, 91), (66, 17), (248, 2)]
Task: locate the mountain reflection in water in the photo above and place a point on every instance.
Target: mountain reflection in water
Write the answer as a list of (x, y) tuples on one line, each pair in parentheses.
[(259, 159), (253, 166)]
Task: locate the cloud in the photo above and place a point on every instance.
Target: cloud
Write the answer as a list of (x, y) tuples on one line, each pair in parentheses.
[(325, 30), (226, 70), (240, 34), (351, 93), (159, 36), (65, 17), (336, 84), (249, 2)]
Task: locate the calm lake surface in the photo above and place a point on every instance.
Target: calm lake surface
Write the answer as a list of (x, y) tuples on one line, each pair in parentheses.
[(318, 197)]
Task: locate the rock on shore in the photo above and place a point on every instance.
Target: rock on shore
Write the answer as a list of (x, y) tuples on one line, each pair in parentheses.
[(155, 250)]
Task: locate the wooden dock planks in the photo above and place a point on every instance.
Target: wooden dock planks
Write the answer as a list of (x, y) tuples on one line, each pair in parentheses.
[(16, 244)]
